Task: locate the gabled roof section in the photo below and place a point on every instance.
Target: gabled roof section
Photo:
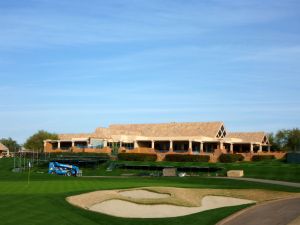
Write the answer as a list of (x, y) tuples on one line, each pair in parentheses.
[(221, 132), (260, 137), (3, 147), (208, 129)]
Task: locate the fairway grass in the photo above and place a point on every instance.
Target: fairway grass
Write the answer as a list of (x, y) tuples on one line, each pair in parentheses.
[(270, 169), (42, 202)]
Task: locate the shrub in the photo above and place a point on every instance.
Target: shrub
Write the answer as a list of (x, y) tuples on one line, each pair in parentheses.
[(137, 157), (75, 154), (229, 158), (262, 157), (186, 158)]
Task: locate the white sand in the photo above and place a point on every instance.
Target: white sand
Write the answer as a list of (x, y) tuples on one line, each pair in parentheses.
[(143, 194), (121, 208)]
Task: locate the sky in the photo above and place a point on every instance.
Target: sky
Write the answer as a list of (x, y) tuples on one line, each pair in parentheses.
[(69, 66)]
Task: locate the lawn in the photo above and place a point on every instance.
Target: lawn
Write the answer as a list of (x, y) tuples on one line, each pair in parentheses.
[(43, 200), (272, 169)]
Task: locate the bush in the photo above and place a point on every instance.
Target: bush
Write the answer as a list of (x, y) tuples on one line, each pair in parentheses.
[(75, 154), (137, 157), (262, 157), (229, 158), (187, 158)]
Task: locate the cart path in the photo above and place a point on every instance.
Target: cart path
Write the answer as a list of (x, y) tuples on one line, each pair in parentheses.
[(284, 183), (279, 212)]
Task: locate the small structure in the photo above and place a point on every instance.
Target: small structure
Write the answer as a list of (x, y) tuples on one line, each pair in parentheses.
[(293, 157), (4, 151), (169, 172), (235, 173)]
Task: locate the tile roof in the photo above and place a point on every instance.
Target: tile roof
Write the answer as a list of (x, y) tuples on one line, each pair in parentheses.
[(248, 136), (205, 129), (3, 147), (70, 136), (208, 129)]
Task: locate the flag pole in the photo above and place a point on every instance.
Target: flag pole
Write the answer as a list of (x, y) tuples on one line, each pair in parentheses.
[(29, 166)]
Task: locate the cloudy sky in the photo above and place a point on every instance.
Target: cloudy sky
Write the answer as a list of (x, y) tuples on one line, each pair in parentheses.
[(70, 66)]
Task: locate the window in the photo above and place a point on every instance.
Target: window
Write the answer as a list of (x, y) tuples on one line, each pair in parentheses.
[(221, 133)]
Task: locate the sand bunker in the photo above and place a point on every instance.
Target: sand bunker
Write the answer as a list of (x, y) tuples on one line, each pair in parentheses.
[(121, 208), (143, 194), (158, 202)]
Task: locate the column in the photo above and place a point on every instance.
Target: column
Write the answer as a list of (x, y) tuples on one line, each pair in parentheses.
[(58, 144), (251, 148), (105, 143), (152, 144), (171, 146), (269, 148), (120, 144), (190, 147), (221, 145), (201, 147), (73, 143), (260, 148), (135, 144), (231, 148)]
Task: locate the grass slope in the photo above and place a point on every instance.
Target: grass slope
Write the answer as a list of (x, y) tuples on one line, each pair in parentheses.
[(271, 169)]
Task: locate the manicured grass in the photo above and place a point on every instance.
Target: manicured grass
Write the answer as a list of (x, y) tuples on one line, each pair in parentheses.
[(271, 169), (53, 209), (43, 200)]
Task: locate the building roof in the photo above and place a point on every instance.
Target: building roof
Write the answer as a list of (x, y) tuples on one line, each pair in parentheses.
[(163, 130), (3, 147), (249, 136), (70, 136), (101, 132), (208, 129)]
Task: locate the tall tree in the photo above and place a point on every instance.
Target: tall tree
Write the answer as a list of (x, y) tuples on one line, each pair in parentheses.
[(285, 140), (273, 141), (281, 139), (36, 141), (293, 142), (11, 144)]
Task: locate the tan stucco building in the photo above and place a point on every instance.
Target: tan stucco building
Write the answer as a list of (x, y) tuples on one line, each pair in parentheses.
[(4, 151), (207, 138)]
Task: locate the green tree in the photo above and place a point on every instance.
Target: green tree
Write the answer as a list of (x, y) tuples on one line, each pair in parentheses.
[(273, 141), (285, 140), (36, 141), (11, 144), (293, 141), (281, 139)]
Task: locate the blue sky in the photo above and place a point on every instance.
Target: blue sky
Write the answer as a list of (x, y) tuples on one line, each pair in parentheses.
[(71, 66)]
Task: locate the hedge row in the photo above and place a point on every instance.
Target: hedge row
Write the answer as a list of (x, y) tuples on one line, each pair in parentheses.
[(229, 158), (262, 157), (137, 157), (224, 158), (186, 158)]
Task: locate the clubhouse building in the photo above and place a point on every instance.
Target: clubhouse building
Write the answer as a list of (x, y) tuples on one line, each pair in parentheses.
[(207, 138)]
